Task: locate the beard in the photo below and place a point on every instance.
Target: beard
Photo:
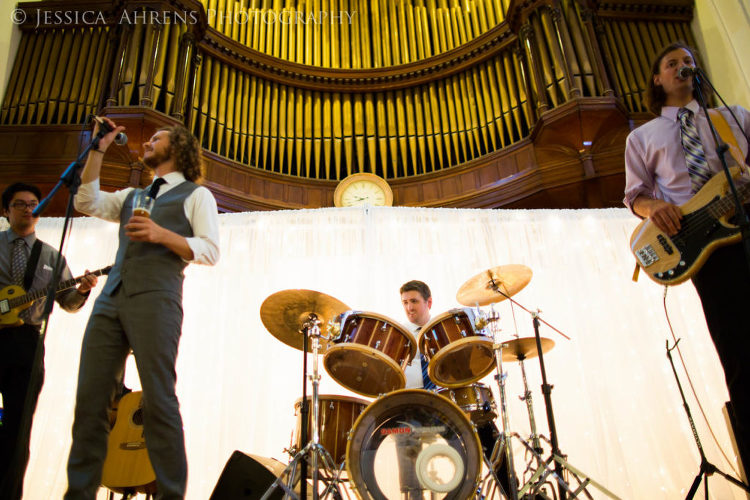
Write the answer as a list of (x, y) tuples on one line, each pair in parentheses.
[(157, 159)]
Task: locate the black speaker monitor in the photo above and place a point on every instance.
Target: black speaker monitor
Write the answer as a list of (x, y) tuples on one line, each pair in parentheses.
[(247, 478)]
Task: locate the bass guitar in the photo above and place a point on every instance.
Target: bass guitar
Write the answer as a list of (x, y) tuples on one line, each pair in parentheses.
[(704, 227), (14, 299)]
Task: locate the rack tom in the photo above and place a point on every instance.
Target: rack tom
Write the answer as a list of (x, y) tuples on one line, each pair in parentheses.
[(368, 353), (458, 352)]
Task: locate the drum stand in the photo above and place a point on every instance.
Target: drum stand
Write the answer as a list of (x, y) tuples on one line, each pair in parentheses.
[(313, 450), (500, 378), (560, 463)]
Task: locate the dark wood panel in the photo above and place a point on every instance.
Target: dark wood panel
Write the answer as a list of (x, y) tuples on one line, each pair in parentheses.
[(551, 168)]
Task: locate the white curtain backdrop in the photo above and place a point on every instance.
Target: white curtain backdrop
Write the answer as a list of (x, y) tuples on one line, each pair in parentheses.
[(617, 408)]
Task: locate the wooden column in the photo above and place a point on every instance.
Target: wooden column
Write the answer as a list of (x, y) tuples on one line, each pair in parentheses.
[(592, 44), (126, 33), (150, 52), (183, 80), (527, 36)]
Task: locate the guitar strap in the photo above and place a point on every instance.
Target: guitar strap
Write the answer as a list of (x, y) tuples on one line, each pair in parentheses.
[(722, 127), (31, 264)]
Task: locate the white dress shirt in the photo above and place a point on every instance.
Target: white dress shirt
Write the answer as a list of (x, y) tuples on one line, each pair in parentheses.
[(413, 370), (200, 210)]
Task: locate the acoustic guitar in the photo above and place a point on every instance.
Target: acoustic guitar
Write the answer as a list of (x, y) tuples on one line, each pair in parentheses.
[(14, 299), (127, 467), (704, 227)]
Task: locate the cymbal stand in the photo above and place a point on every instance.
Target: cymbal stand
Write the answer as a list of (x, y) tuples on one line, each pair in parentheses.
[(561, 465), (500, 377), (313, 448)]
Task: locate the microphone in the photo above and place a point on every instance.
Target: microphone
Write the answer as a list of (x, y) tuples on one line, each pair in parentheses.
[(686, 72), (120, 139)]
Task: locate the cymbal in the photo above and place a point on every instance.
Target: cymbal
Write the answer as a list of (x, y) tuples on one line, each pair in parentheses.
[(525, 348), (511, 279), (284, 313)]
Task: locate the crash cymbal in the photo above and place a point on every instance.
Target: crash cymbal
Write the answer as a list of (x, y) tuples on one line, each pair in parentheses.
[(510, 280), (525, 348), (284, 314)]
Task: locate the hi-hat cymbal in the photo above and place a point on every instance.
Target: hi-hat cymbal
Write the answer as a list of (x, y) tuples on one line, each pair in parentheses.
[(284, 314), (510, 279), (525, 348)]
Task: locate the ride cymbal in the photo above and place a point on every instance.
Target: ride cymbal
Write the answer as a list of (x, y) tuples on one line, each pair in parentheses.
[(525, 348), (480, 289), (284, 314)]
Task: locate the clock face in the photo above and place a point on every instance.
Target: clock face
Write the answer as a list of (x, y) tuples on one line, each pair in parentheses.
[(363, 189), (363, 193)]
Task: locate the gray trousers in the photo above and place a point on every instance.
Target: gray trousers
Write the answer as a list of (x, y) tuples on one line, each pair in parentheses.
[(150, 324)]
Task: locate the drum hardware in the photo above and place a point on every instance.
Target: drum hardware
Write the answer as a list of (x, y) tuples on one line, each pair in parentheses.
[(495, 285), (294, 317)]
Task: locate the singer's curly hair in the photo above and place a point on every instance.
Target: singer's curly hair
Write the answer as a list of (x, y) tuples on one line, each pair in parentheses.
[(186, 151), (655, 97)]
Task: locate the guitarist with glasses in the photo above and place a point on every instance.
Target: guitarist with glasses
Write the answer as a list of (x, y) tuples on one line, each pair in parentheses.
[(27, 262), (667, 161)]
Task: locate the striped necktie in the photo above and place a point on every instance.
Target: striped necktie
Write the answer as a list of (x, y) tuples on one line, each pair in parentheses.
[(18, 259), (18, 262), (693, 149), (428, 383)]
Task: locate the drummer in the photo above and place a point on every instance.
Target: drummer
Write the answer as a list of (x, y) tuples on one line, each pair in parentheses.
[(416, 298)]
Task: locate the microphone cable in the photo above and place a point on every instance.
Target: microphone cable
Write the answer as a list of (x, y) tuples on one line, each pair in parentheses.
[(692, 387)]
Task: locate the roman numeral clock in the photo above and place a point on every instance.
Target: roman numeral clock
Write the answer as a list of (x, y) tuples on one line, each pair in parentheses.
[(363, 189)]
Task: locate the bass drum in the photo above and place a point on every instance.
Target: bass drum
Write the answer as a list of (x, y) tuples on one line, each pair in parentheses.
[(415, 442)]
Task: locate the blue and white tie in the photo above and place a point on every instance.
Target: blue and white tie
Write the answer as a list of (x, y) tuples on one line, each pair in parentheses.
[(428, 383), (694, 155)]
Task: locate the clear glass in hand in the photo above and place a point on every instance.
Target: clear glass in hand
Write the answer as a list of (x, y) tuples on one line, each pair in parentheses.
[(142, 203)]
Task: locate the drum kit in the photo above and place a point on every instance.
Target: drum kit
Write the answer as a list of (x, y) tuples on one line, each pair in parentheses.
[(412, 443)]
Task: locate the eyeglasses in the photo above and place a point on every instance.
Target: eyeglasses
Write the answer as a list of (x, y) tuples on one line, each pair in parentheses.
[(22, 205)]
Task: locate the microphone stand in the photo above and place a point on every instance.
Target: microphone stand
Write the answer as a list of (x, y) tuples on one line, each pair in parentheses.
[(721, 149), (71, 178), (706, 467)]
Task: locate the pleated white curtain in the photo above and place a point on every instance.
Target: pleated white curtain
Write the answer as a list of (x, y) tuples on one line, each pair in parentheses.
[(617, 408)]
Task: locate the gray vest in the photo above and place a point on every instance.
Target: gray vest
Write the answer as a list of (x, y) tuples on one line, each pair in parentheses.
[(145, 267)]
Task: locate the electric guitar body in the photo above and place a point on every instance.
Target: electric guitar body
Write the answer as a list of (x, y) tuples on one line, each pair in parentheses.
[(705, 226)]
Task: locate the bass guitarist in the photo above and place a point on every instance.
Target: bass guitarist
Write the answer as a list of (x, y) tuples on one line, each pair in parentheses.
[(667, 160), (18, 343)]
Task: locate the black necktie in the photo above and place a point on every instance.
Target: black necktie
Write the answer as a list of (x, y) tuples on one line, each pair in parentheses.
[(155, 187)]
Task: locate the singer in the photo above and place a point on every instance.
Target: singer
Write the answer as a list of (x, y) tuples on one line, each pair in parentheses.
[(140, 307), (667, 160)]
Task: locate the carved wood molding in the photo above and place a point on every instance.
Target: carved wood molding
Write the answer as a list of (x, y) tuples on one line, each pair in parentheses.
[(417, 73)]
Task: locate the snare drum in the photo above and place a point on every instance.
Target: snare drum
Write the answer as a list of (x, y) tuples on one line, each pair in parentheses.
[(475, 400), (458, 352), (413, 441), (368, 353), (337, 417)]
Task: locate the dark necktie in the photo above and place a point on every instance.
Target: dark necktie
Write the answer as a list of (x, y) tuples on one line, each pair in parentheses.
[(693, 149), (154, 190), (18, 260), (428, 383)]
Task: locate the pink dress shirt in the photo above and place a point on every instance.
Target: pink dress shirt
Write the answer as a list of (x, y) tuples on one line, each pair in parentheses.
[(655, 164)]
